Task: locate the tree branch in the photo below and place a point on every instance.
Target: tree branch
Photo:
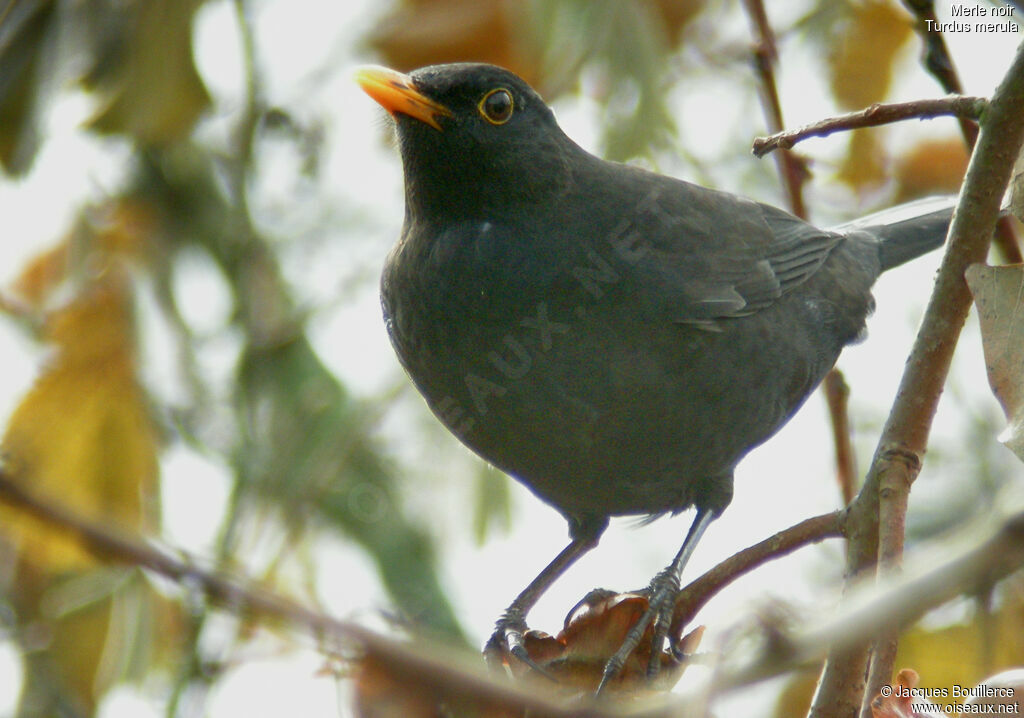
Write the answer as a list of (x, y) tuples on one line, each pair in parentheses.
[(837, 397), (423, 666), (873, 116), (936, 57), (909, 423), (897, 604), (436, 672), (694, 596), (893, 498)]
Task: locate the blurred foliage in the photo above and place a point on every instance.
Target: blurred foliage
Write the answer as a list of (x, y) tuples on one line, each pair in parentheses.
[(996, 292), (96, 453), (630, 45), (863, 48), (303, 448), (630, 42), (929, 167), (864, 164), (144, 73), (136, 57), (491, 508), (961, 654), (25, 41), (84, 632), (427, 32), (84, 436)]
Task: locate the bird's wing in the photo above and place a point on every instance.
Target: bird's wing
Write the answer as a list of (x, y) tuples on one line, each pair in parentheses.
[(711, 255)]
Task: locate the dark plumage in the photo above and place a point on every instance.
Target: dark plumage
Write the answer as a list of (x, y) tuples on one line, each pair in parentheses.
[(615, 339)]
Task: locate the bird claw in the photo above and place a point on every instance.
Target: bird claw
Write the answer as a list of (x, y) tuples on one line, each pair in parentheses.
[(661, 593), (507, 639)]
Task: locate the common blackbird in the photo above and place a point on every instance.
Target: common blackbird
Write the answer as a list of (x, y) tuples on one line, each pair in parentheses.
[(615, 339)]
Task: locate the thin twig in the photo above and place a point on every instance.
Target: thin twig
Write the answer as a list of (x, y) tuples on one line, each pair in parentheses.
[(837, 396), (909, 423), (438, 671), (793, 173), (191, 678), (435, 670), (936, 57), (792, 168), (434, 665), (694, 596), (873, 116), (896, 604)]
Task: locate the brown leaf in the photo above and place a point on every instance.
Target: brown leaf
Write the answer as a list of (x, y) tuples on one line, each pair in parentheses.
[(900, 703), (43, 275), (380, 693), (997, 294), (383, 691), (675, 15), (427, 32), (115, 232), (930, 167), (594, 630)]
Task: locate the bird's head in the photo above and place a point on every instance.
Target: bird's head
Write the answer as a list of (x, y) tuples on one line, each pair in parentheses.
[(476, 140)]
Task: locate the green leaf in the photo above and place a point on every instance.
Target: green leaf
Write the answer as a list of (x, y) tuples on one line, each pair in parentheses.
[(26, 43), (491, 505)]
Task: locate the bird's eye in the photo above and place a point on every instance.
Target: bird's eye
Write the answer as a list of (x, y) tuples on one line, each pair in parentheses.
[(496, 107)]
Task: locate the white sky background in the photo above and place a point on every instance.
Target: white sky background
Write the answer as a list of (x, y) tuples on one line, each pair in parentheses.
[(788, 479)]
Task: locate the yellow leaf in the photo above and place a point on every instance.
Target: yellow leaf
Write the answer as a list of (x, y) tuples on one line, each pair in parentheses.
[(43, 275), (861, 62), (960, 654), (83, 435), (105, 236), (76, 650), (965, 653), (864, 165), (95, 629)]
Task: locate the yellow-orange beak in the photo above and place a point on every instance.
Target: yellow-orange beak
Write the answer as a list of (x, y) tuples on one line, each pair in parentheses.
[(396, 93)]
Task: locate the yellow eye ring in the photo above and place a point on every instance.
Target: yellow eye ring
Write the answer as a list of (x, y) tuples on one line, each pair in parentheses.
[(497, 106)]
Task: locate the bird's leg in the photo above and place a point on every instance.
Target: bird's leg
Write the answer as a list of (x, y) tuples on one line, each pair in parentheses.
[(508, 633), (661, 602)]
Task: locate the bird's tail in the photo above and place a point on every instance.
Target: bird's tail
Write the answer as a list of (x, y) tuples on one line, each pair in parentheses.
[(908, 230)]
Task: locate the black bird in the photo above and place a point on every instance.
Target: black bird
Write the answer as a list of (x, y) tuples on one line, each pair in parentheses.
[(615, 339)]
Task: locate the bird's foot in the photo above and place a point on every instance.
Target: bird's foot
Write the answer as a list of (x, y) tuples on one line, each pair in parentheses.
[(507, 640), (661, 595)]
